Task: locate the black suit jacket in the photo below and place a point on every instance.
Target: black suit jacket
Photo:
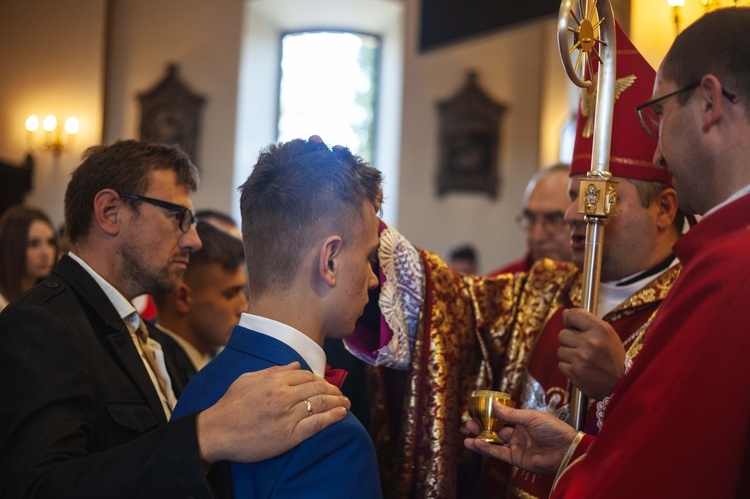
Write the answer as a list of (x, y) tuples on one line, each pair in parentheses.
[(180, 367), (79, 416)]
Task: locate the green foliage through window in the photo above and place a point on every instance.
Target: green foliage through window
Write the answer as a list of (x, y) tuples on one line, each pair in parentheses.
[(328, 87)]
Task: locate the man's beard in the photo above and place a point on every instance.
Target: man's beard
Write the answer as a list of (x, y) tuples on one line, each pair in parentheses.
[(145, 280)]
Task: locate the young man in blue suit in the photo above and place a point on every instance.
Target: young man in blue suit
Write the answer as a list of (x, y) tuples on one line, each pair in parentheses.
[(310, 230)]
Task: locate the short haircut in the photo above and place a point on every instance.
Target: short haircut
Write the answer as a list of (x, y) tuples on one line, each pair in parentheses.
[(557, 167), (563, 168), (218, 215), (648, 191), (218, 247), (14, 234), (296, 189), (712, 45), (463, 252), (124, 166)]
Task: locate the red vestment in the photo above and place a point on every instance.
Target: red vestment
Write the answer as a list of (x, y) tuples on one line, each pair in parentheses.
[(678, 424), (544, 387)]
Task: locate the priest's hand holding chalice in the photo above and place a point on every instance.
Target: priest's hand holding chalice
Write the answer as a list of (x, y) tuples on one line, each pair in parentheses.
[(480, 410), (534, 440)]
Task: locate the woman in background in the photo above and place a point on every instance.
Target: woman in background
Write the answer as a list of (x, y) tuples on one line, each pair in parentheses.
[(28, 250)]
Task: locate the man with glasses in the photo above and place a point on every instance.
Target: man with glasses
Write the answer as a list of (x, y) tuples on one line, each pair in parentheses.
[(543, 219), (678, 423), (503, 333), (86, 389)]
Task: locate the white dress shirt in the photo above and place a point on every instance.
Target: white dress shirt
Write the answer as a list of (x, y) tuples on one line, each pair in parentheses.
[(298, 341)]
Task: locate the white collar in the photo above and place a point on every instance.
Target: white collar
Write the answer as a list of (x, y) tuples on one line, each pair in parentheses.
[(611, 295), (125, 309), (297, 340)]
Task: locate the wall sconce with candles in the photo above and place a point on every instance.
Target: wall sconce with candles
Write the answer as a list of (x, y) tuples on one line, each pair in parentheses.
[(51, 137), (677, 6)]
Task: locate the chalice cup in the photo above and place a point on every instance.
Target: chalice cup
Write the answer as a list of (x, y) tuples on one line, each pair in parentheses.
[(480, 410)]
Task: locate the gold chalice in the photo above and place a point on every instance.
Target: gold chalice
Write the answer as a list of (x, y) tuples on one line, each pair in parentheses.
[(480, 410)]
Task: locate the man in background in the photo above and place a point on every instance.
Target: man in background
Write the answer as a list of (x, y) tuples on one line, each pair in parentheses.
[(221, 220), (200, 315), (543, 219), (145, 303), (463, 258)]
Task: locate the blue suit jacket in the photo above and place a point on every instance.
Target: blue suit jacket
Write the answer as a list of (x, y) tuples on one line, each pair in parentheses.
[(338, 462)]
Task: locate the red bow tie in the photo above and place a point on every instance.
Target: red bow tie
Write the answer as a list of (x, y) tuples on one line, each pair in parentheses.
[(335, 377)]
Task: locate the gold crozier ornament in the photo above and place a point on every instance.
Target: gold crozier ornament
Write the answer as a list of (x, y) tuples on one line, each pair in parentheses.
[(588, 101), (593, 28)]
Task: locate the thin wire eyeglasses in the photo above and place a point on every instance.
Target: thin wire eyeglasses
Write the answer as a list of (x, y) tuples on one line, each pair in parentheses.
[(650, 117), (186, 217), (550, 221)]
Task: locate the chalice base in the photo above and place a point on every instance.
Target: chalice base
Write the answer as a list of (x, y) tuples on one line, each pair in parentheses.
[(490, 437)]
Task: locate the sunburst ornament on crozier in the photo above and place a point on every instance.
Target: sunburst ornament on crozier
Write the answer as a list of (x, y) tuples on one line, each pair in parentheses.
[(585, 36)]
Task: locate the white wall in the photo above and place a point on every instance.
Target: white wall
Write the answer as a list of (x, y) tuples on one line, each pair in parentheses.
[(51, 56), (265, 21), (203, 38), (57, 50), (512, 69), (653, 26)]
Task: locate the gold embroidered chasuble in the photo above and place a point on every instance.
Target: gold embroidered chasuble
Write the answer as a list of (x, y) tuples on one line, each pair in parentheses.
[(472, 333)]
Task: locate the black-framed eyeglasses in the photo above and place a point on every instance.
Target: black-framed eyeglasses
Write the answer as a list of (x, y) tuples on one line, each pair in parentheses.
[(185, 215), (650, 117), (550, 221)]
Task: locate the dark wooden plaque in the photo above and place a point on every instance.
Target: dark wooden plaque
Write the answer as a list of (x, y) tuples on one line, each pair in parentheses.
[(469, 141), (171, 113)]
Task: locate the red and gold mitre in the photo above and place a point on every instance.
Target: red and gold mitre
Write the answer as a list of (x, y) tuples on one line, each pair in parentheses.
[(632, 151)]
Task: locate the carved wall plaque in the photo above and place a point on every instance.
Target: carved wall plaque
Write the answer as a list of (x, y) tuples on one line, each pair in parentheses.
[(469, 141), (171, 113)]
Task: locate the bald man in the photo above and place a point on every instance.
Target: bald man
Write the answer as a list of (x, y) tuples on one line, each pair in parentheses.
[(543, 219)]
